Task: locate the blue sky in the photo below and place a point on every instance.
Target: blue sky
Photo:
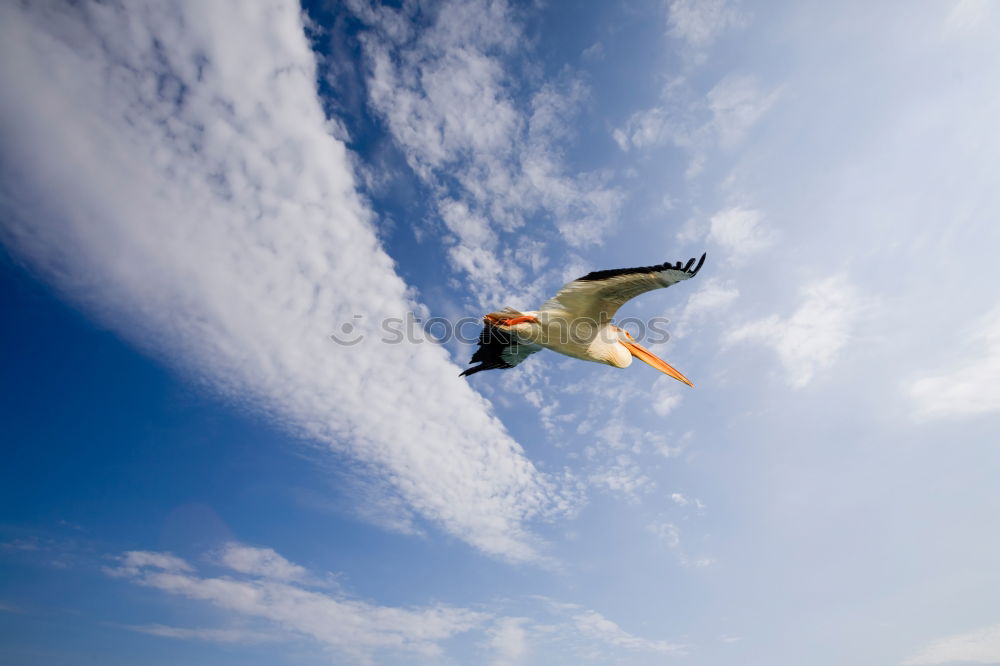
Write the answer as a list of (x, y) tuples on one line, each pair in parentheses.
[(194, 199)]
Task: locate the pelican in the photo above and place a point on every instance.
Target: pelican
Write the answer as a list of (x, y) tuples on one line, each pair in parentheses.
[(577, 321)]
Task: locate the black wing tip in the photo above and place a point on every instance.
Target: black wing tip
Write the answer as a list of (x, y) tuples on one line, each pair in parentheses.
[(701, 262), (666, 266), (484, 366)]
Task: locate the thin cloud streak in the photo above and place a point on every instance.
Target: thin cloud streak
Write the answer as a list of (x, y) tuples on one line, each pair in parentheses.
[(292, 611), (978, 647), (595, 625), (973, 387), (235, 636)]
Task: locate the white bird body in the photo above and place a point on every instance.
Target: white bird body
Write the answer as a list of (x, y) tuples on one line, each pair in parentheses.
[(554, 330), (577, 322)]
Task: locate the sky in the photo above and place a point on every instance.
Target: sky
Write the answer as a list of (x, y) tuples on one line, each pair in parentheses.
[(245, 248)]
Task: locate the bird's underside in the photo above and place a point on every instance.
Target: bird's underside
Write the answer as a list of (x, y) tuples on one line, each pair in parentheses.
[(585, 304), (499, 348)]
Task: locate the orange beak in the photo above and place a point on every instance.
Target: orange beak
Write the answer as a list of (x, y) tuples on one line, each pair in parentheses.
[(652, 359)]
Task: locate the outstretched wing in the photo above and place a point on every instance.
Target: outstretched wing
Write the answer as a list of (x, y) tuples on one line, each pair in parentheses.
[(499, 349), (598, 295)]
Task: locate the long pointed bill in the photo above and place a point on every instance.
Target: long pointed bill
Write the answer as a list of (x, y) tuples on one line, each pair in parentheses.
[(652, 359)]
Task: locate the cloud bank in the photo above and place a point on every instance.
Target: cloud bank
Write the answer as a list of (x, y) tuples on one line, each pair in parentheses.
[(170, 168)]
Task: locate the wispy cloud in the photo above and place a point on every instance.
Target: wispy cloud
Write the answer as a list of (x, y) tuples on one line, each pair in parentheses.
[(171, 169), (713, 295), (291, 611), (682, 119), (978, 647), (488, 156), (698, 23), (595, 625), (134, 561), (264, 606), (712, 298), (239, 636), (973, 387), (624, 476), (808, 340), (670, 535), (263, 562), (595, 637), (509, 640), (737, 103), (698, 122), (740, 232), (666, 402)]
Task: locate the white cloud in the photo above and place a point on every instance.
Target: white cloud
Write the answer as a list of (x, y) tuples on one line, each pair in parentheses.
[(700, 22), (973, 387), (809, 339), (262, 562), (509, 640), (615, 446), (594, 52), (980, 647), (665, 403), (651, 127), (622, 475), (697, 122), (737, 103), (595, 625), (262, 605), (680, 120), (240, 636), (739, 231), (664, 397), (670, 535), (596, 637), (666, 532), (291, 612), (621, 138), (712, 297), (132, 561), (170, 168), (447, 98)]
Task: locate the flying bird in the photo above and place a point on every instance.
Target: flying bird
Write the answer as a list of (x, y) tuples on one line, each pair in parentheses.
[(577, 321)]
